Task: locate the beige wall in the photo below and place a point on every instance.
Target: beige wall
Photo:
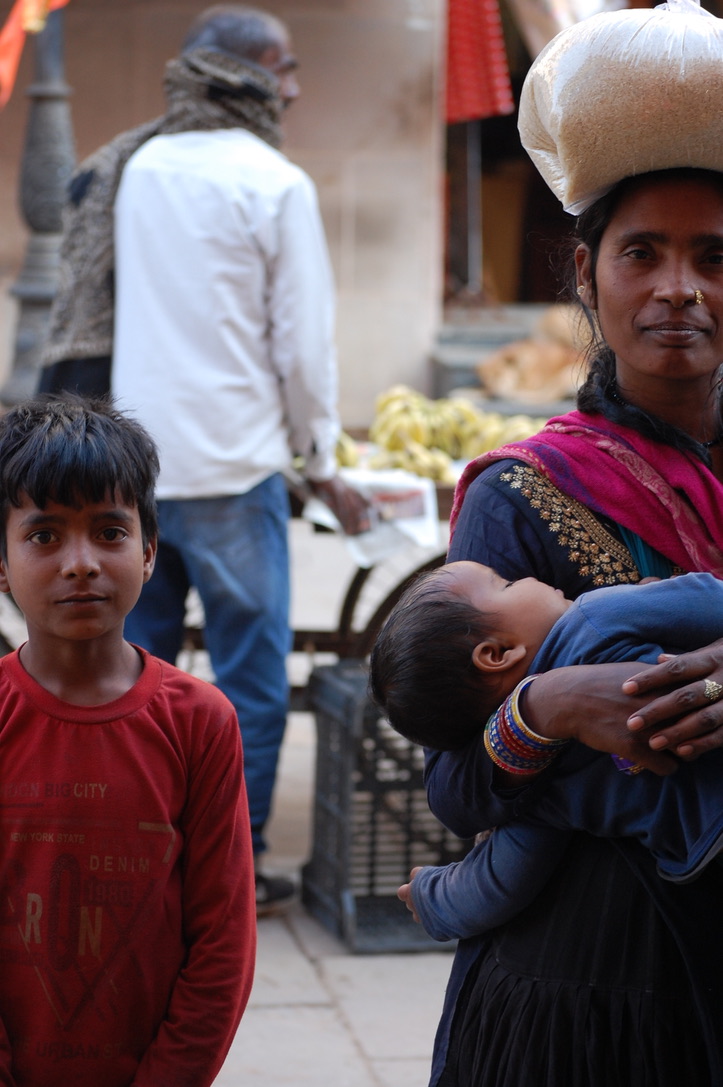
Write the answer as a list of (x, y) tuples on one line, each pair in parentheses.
[(367, 129)]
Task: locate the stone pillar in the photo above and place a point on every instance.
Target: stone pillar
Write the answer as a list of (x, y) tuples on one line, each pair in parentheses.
[(47, 164)]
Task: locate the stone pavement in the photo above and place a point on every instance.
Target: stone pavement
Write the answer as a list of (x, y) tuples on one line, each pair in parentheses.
[(320, 1015)]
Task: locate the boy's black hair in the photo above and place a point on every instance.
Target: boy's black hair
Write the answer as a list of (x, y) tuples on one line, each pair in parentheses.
[(70, 449), (421, 673)]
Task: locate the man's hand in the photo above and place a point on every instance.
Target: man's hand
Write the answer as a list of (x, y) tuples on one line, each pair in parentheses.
[(348, 505), (405, 894), (691, 713)]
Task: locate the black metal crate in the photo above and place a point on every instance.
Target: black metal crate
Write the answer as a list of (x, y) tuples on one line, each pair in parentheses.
[(372, 824)]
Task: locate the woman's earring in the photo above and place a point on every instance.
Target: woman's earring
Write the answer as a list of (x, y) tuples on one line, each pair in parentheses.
[(581, 289)]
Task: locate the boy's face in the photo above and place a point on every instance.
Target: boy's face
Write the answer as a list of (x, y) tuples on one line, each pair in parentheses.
[(75, 573), (525, 610)]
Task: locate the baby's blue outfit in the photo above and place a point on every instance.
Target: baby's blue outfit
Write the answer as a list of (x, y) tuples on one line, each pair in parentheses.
[(678, 818)]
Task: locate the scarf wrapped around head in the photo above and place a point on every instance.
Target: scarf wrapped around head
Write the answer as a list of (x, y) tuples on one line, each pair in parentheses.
[(670, 499), (205, 89)]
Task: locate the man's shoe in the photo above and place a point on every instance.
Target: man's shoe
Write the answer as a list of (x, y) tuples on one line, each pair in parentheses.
[(274, 894)]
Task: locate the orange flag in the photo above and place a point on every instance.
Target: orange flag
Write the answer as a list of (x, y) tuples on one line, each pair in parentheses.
[(26, 16)]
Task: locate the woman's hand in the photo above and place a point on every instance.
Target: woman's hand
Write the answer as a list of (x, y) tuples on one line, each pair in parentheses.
[(692, 713), (587, 703)]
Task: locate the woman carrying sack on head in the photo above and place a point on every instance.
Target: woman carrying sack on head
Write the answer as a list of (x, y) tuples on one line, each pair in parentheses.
[(613, 976)]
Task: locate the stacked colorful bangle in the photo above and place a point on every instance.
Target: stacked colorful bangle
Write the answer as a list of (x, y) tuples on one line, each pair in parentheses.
[(513, 746)]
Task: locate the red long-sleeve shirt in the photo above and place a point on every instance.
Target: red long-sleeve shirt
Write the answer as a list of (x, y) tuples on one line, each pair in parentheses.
[(127, 906)]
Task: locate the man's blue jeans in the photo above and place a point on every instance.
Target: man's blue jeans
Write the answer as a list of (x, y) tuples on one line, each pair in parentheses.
[(234, 551)]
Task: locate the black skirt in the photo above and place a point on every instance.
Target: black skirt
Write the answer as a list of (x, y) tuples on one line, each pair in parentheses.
[(586, 988)]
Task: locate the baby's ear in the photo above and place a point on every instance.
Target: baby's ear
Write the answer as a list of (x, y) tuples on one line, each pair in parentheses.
[(493, 656)]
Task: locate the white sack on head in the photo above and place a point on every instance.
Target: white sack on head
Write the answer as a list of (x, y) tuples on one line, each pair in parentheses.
[(624, 93)]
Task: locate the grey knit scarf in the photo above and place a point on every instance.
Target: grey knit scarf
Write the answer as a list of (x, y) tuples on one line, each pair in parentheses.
[(205, 89)]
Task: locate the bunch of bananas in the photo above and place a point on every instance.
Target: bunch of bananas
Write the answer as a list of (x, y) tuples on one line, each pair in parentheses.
[(432, 463), (347, 451), (425, 436)]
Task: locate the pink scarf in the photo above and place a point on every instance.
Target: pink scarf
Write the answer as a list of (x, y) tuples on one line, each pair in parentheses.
[(670, 499)]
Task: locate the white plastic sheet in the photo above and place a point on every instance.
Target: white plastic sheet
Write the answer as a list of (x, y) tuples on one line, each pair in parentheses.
[(404, 512)]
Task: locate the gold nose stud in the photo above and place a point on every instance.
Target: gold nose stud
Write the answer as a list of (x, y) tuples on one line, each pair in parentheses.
[(698, 297)]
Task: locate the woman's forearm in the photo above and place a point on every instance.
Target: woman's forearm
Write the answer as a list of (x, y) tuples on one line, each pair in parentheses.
[(586, 703)]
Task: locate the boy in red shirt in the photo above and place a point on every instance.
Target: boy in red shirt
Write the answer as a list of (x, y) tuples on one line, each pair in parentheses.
[(127, 903)]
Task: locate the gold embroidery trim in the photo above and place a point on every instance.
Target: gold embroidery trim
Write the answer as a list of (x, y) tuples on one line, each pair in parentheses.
[(589, 545)]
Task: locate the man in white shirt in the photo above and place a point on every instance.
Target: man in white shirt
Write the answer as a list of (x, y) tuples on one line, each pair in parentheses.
[(223, 348)]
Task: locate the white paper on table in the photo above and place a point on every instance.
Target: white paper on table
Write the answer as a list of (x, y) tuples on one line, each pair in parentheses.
[(404, 511)]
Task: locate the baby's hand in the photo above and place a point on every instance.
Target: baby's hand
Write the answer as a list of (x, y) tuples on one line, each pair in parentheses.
[(405, 893)]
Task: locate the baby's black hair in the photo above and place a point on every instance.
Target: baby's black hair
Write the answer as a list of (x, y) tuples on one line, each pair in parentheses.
[(70, 450), (421, 673)]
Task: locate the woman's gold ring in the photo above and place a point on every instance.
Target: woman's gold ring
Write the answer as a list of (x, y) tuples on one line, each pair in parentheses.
[(712, 690)]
